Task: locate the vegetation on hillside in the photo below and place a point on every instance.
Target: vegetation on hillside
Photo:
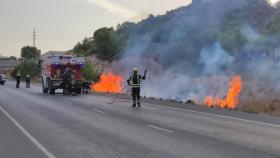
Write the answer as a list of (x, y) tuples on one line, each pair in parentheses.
[(105, 44), (109, 44), (247, 31)]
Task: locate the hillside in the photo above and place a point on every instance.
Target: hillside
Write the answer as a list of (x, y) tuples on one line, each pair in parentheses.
[(194, 50), (185, 32)]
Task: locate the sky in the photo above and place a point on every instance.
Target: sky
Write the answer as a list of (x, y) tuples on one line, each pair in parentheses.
[(60, 24)]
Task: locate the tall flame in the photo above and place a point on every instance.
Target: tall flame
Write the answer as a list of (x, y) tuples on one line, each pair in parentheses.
[(109, 83), (231, 99)]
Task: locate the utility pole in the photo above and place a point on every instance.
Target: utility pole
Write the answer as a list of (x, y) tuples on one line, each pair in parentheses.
[(34, 38)]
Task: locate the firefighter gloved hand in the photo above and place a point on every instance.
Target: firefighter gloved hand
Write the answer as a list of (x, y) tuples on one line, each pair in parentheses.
[(128, 82)]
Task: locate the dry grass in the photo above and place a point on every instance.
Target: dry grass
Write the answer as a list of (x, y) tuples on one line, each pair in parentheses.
[(262, 106), (267, 102)]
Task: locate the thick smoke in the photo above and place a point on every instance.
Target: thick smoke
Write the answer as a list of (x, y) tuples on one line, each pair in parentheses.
[(186, 60), (215, 59)]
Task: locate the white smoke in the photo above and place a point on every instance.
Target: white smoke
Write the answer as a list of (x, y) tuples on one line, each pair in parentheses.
[(215, 58), (171, 84)]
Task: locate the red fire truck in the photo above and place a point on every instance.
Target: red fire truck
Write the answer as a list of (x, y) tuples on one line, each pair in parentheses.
[(62, 72)]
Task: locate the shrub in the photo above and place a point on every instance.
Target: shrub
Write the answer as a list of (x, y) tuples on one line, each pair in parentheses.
[(26, 67), (89, 72)]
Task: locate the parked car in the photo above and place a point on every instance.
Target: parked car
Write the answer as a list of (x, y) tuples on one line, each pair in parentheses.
[(2, 79)]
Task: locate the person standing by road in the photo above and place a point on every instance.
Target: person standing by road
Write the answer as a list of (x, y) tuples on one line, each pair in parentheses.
[(135, 82), (18, 79), (27, 78)]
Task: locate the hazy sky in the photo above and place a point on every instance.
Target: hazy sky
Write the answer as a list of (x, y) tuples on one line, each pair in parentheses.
[(60, 24)]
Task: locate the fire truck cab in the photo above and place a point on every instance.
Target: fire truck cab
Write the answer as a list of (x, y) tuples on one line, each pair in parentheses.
[(54, 69)]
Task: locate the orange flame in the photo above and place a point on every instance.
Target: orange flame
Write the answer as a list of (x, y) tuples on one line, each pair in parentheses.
[(231, 100), (209, 101), (109, 83)]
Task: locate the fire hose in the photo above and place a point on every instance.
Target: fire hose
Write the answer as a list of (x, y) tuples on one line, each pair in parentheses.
[(118, 97)]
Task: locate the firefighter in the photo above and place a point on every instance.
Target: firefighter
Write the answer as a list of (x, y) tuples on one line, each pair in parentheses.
[(66, 81), (27, 78), (18, 79), (73, 83), (86, 87), (135, 82)]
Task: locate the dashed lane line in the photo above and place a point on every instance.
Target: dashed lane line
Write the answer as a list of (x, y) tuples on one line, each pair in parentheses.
[(99, 111), (161, 129), (67, 102)]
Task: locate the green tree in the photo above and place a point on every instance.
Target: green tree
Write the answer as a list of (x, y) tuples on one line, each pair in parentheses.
[(26, 67), (84, 48), (107, 43), (30, 52), (90, 74)]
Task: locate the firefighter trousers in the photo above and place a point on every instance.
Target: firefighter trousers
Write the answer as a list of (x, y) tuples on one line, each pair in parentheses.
[(136, 96), (18, 83), (27, 84)]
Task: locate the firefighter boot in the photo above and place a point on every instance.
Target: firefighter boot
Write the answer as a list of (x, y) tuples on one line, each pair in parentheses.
[(134, 104), (138, 103)]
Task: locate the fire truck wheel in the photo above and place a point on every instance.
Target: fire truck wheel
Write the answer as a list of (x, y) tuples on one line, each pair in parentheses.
[(45, 90), (79, 90), (52, 91)]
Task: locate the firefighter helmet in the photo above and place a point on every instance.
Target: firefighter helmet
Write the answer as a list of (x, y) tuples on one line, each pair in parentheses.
[(135, 69)]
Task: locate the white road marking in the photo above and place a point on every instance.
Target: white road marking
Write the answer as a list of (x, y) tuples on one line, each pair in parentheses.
[(26, 133), (99, 111), (215, 115), (67, 102), (159, 128)]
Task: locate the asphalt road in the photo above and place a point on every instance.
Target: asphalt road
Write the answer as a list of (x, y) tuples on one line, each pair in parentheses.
[(36, 125)]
